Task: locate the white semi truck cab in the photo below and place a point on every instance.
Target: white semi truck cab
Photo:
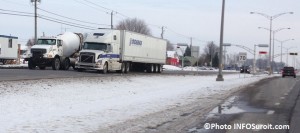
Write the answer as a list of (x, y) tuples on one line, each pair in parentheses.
[(119, 50)]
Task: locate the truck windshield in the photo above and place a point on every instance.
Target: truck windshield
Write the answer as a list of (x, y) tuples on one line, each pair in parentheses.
[(46, 42), (95, 46)]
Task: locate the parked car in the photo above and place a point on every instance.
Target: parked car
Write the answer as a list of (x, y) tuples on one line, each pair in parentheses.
[(245, 69), (288, 71)]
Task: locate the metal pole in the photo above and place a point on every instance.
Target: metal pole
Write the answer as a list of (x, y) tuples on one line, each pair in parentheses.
[(287, 57), (281, 54), (111, 19), (273, 51), (220, 76), (35, 21), (254, 60), (269, 61)]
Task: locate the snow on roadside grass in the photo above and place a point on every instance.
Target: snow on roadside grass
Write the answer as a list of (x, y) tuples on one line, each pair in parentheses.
[(87, 104)]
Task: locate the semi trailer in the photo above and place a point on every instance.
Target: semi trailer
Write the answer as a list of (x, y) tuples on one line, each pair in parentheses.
[(59, 52), (122, 51)]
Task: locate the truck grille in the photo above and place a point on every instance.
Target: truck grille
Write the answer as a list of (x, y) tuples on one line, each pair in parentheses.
[(87, 57), (38, 52)]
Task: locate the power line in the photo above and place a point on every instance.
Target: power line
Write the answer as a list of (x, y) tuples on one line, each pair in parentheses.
[(67, 24), (71, 18), (15, 11), (43, 16), (14, 14), (91, 6)]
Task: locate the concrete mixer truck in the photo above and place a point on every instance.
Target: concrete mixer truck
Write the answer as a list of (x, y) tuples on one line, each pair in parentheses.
[(59, 52)]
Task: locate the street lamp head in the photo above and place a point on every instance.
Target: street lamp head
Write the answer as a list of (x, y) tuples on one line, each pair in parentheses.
[(291, 12), (251, 12)]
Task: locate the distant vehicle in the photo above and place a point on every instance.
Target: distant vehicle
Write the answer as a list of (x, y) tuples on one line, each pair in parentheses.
[(8, 48), (120, 50), (288, 71), (245, 69), (60, 51)]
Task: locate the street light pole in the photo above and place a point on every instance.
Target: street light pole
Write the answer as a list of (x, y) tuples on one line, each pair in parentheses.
[(220, 76), (271, 18), (281, 42)]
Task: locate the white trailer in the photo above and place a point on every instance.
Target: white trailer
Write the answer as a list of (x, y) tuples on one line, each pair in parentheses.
[(120, 50), (8, 48)]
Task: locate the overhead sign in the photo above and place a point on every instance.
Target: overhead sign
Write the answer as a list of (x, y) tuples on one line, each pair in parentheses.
[(242, 56), (262, 52)]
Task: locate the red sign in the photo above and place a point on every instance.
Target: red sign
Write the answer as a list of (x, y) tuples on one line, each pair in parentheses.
[(262, 52)]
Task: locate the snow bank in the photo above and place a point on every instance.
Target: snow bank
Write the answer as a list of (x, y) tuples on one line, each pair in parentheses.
[(88, 104)]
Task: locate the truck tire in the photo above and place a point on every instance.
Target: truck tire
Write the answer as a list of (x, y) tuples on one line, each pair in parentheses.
[(123, 67), (150, 68), (127, 67), (105, 68), (155, 68), (56, 64), (31, 65), (66, 64), (3, 62), (159, 68)]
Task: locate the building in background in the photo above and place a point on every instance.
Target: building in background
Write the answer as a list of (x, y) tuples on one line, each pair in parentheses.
[(172, 58)]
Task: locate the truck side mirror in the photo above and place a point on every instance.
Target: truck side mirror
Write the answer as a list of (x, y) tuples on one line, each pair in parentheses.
[(59, 43)]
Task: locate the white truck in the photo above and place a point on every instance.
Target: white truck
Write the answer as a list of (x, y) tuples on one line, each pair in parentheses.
[(60, 51), (8, 48), (122, 51)]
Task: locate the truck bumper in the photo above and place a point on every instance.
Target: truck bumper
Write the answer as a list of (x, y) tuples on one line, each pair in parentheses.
[(88, 66), (41, 61)]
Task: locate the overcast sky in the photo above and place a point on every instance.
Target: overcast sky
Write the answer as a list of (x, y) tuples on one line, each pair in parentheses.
[(183, 19)]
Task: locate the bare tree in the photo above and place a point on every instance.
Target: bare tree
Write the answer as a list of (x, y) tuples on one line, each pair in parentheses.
[(135, 25), (210, 51)]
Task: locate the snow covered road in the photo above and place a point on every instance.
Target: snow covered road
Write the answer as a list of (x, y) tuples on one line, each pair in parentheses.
[(95, 103)]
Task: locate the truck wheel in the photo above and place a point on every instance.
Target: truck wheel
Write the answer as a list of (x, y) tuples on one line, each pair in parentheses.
[(66, 65), (31, 65), (127, 67), (159, 68), (122, 68), (42, 67), (105, 68), (150, 68), (56, 64), (156, 68)]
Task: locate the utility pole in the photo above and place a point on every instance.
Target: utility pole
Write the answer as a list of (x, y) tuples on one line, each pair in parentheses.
[(35, 20), (162, 32), (111, 19)]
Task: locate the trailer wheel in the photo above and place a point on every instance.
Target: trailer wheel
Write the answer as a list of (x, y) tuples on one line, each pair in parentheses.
[(31, 65), (150, 68), (105, 68), (159, 68), (66, 64), (127, 67), (56, 64)]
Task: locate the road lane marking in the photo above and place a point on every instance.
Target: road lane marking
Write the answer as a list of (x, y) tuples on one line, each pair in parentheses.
[(277, 104), (282, 98)]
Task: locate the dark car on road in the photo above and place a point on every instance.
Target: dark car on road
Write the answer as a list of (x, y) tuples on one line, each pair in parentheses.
[(245, 69), (288, 71)]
